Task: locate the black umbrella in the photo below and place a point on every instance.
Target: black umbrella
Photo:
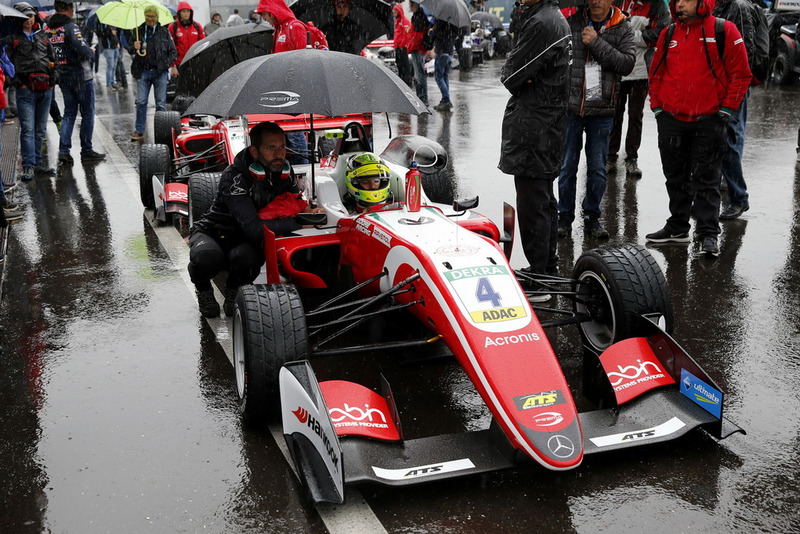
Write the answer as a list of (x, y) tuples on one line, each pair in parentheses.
[(487, 20), (226, 47), (368, 20), (322, 82)]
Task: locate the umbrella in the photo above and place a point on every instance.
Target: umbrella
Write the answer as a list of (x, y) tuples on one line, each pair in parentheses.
[(6, 11), (368, 20), (322, 82), (487, 20), (453, 11), (226, 47), (129, 14), (40, 5)]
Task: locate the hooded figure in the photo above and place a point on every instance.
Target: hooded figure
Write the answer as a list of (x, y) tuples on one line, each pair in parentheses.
[(214, 25), (290, 33), (537, 74), (402, 34), (694, 88), (185, 32)]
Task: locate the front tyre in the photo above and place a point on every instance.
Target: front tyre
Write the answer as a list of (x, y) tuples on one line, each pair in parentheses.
[(616, 285), (269, 329), (153, 159)]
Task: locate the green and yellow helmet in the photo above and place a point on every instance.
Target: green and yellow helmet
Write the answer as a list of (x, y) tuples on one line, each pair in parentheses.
[(367, 179)]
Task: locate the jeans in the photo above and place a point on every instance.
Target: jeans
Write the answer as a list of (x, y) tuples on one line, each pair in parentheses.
[(635, 93), (420, 76), (598, 131), (158, 80), (732, 161), (33, 109), (441, 73), (691, 157), (77, 95), (112, 56)]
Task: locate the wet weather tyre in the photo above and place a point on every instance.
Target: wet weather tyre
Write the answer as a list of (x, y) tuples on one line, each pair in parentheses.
[(615, 286), (153, 159), (163, 124), (464, 58), (438, 187), (269, 329), (202, 191), (782, 70)]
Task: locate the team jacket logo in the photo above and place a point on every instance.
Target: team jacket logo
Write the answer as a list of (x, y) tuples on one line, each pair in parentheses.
[(279, 99), (540, 400)]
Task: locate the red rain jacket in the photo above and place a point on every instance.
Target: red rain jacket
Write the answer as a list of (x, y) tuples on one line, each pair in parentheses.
[(684, 84)]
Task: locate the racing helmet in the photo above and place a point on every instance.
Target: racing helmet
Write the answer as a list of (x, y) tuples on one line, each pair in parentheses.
[(364, 167)]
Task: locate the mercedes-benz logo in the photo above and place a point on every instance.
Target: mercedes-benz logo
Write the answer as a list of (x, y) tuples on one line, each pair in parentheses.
[(561, 446)]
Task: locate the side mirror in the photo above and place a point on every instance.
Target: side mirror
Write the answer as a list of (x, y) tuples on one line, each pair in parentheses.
[(465, 204), (311, 219)]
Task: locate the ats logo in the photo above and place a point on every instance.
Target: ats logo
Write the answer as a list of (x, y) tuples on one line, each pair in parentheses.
[(540, 400), (423, 471)]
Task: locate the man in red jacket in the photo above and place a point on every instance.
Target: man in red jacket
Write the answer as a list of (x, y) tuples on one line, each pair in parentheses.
[(694, 86), (290, 34), (185, 32)]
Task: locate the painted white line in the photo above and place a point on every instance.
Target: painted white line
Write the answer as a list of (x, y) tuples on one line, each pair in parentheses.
[(355, 516)]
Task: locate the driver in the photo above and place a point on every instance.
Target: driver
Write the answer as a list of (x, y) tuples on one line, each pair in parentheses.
[(367, 182), (258, 190)]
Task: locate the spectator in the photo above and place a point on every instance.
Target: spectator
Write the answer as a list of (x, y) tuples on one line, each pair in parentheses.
[(74, 59), (257, 191), (419, 28), (152, 56), (109, 40), (234, 19), (33, 58), (515, 17), (342, 31), (537, 75), (693, 92), (444, 37), (402, 30), (214, 25), (647, 18), (10, 211), (602, 52), (253, 18), (740, 12), (185, 32)]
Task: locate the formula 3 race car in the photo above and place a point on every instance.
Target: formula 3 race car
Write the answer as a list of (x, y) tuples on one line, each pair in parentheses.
[(423, 281)]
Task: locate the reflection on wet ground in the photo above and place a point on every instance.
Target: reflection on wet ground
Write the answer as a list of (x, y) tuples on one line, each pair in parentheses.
[(118, 405)]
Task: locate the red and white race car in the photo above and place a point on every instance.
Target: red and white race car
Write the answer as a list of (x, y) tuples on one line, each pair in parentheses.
[(427, 280)]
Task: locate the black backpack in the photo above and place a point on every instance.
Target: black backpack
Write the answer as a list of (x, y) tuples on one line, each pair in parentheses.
[(719, 36)]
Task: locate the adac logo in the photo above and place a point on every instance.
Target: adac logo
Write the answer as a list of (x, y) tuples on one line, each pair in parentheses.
[(539, 400), (301, 414), (279, 99)]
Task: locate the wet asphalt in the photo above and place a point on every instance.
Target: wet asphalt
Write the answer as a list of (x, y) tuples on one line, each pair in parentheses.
[(118, 403)]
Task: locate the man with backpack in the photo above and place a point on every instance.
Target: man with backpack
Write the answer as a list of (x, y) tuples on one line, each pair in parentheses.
[(752, 24), (693, 91), (416, 49), (34, 77), (185, 32)]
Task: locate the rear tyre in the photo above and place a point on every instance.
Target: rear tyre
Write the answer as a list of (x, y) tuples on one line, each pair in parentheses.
[(615, 286), (202, 192), (269, 329), (153, 159), (163, 124), (782, 70), (465, 58)]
